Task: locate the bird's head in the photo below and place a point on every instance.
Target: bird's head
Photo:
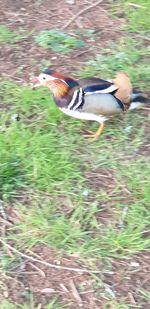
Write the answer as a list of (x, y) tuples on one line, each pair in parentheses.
[(59, 84)]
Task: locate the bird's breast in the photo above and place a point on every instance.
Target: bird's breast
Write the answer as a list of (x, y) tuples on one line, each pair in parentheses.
[(83, 115)]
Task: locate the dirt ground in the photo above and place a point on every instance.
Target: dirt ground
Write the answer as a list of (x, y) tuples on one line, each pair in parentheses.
[(33, 16), (19, 62), (75, 289)]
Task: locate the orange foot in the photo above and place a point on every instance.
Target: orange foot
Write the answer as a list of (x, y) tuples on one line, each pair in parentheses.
[(94, 136)]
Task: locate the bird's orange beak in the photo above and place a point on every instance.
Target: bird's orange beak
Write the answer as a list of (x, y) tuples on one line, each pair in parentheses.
[(35, 82)]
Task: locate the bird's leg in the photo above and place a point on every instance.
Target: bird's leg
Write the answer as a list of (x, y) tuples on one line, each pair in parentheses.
[(95, 135)]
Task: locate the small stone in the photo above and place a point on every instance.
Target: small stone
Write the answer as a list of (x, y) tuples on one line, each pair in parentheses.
[(57, 262), (70, 1), (2, 128), (134, 264), (120, 14), (5, 294), (109, 291), (26, 294), (85, 192), (128, 129), (47, 291), (15, 117)]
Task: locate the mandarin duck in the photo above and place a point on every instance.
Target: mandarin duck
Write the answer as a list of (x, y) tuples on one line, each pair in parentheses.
[(91, 98)]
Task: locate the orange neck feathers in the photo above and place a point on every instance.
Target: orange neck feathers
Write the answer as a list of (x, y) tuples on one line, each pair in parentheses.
[(58, 88)]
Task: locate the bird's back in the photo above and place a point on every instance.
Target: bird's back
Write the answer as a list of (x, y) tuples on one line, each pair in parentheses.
[(89, 81)]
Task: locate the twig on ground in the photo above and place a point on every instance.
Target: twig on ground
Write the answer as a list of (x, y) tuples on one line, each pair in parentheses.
[(122, 219), (6, 222), (81, 12), (81, 53), (132, 300), (87, 292), (105, 176), (64, 288), (75, 291), (81, 270), (136, 5), (143, 37), (41, 272), (2, 211), (34, 254), (78, 23), (9, 253), (145, 108)]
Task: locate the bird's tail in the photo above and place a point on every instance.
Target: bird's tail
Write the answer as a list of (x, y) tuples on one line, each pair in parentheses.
[(138, 98)]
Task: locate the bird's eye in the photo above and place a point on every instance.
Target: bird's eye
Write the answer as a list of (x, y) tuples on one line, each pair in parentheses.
[(44, 77)]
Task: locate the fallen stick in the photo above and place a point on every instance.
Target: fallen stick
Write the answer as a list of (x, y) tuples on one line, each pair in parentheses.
[(80, 13), (46, 263)]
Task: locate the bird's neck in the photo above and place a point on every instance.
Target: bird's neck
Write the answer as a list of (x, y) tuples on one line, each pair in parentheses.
[(58, 88), (61, 92)]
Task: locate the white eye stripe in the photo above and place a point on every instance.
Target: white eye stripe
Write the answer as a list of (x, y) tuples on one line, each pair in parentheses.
[(43, 76), (47, 77)]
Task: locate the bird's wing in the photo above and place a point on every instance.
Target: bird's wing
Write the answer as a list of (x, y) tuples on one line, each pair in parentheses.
[(102, 104), (100, 88), (124, 92), (89, 81), (121, 84)]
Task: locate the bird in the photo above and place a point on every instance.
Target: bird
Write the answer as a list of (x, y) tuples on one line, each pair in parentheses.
[(91, 98)]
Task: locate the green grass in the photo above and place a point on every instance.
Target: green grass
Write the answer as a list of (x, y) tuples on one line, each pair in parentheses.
[(8, 35), (58, 41), (137, 14), (115, 305), (44, 156), (44, 161), (8, 305), (138, 17), (128, 55), (43, 152)]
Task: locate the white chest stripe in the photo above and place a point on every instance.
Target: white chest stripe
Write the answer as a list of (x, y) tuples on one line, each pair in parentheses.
[(79, 100), (76, 96), (73, 99)]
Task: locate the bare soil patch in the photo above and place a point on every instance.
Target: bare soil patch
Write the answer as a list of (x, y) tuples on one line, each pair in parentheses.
[(21, 60), (121, 279), (126, 281)]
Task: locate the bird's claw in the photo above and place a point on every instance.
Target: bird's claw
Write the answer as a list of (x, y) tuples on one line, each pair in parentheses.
[(92, 136)]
